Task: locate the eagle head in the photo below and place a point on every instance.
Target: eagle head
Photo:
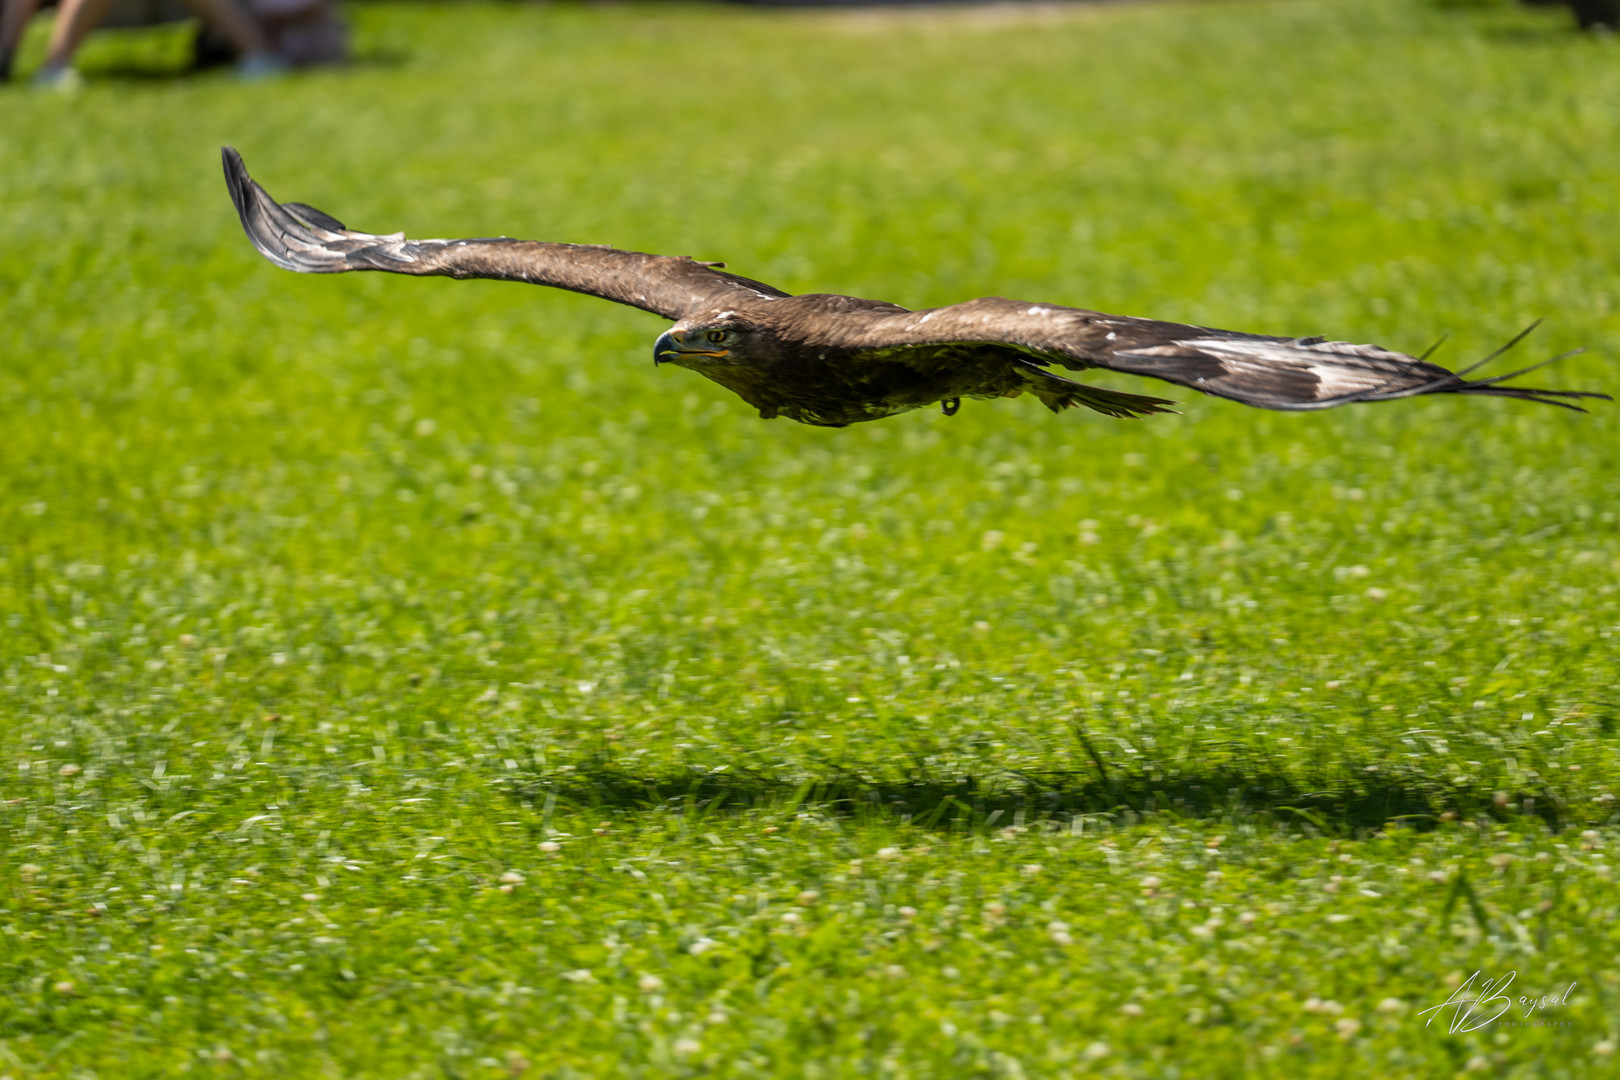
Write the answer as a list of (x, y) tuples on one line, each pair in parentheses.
[(707, 340)]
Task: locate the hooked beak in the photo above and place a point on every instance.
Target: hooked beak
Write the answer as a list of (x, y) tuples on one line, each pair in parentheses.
[(664, 349), (671, 345)]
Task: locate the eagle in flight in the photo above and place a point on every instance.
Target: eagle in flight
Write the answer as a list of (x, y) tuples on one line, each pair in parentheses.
[(838, 360)]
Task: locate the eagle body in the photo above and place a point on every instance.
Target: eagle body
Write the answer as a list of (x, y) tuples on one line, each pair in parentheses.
[(780, 364), (832, 361)]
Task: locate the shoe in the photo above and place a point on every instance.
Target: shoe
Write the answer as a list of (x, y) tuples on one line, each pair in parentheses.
[(256, 67), (62, 79)]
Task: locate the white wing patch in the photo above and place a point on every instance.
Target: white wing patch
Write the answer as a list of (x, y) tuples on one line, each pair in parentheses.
[(1326, 360)]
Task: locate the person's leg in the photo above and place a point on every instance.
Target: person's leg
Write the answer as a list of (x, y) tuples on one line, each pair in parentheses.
[(14, 16), (234, 24), (74, 21)]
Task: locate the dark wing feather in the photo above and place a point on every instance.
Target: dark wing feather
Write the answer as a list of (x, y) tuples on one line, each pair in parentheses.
[(301, 238), (1293, 374)]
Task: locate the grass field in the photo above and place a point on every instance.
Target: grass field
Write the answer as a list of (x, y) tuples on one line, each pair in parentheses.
[(402, 678)]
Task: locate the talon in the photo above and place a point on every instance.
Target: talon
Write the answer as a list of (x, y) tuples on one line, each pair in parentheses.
[(950, 405)]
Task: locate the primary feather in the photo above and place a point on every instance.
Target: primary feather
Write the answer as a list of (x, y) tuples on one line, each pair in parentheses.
[(836, 360)]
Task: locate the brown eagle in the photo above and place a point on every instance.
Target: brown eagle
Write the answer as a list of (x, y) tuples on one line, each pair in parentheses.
[(838, 360)]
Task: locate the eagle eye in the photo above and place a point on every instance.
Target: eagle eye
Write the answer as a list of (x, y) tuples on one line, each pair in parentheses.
[(715, 336)]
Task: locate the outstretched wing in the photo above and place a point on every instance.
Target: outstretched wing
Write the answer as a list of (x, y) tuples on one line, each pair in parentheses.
[(301, 238), (1293, 374)]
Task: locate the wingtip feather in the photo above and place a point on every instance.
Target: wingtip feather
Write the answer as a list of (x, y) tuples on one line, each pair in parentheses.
[(293, 236)]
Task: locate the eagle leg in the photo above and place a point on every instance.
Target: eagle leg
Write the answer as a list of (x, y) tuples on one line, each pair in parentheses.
[(950, 405)]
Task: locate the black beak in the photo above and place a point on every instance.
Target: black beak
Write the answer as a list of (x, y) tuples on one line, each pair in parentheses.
[(664, 349)]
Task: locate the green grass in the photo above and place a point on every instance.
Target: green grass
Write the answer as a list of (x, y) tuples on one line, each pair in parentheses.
[(402, 678)]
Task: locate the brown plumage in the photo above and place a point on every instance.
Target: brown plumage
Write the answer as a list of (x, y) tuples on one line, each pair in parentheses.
[(838, 360)]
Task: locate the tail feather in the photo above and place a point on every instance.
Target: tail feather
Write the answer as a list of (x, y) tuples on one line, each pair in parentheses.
[(1113, 403)]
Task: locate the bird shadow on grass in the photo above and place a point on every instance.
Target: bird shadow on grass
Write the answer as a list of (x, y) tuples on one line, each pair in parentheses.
[(969, 802)]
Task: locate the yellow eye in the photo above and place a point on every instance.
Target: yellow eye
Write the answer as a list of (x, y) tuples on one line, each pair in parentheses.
[(715, 336)]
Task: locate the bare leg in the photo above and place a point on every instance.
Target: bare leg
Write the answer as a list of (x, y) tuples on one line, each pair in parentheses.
[(14, 16), (74, 21)]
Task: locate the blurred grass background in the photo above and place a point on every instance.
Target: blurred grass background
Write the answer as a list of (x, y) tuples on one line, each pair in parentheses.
[(310, 575)]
